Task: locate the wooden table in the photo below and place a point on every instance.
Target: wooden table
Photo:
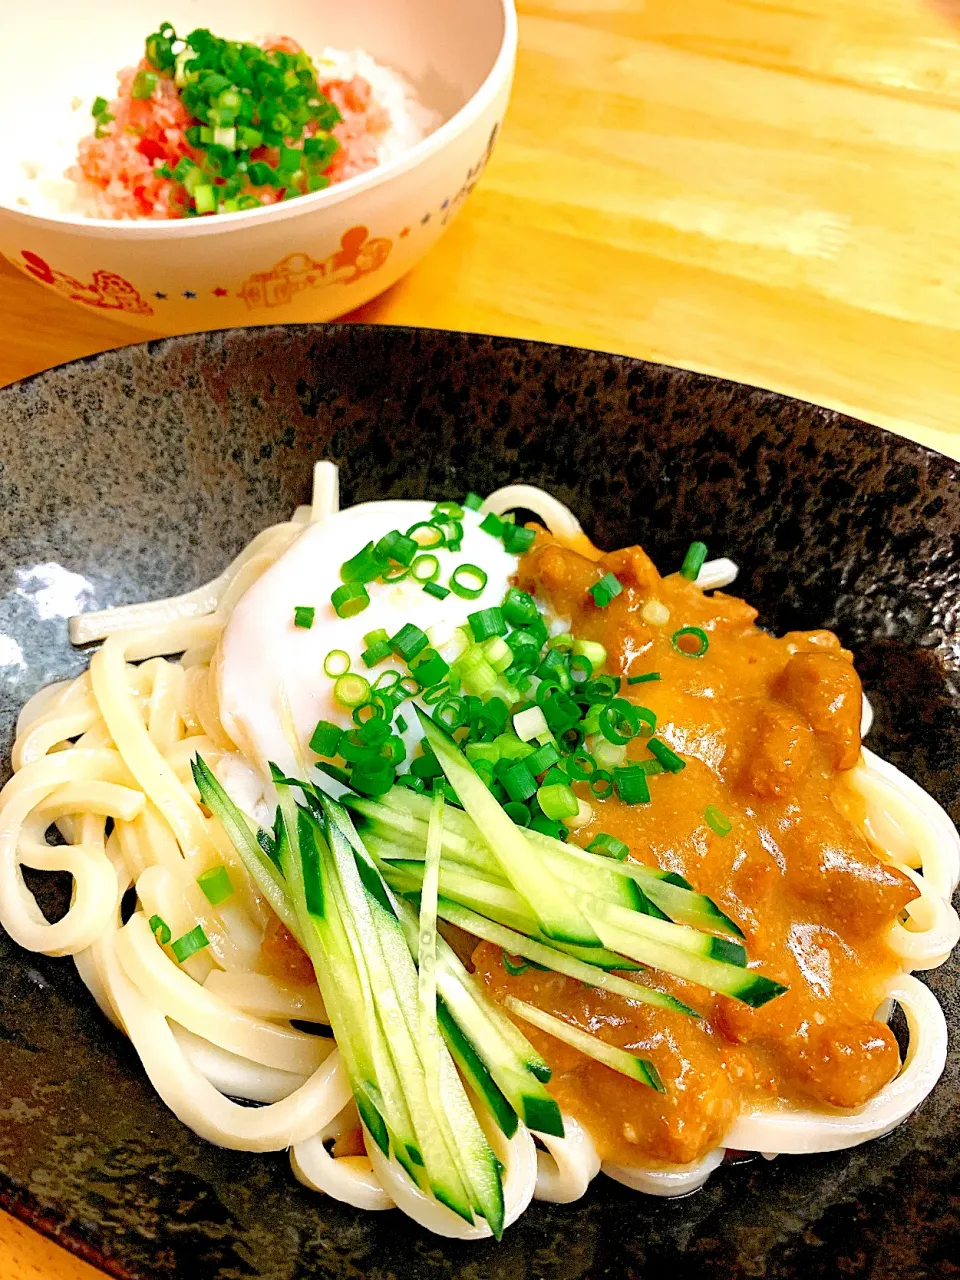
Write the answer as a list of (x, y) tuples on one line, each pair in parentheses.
[(766, 189)]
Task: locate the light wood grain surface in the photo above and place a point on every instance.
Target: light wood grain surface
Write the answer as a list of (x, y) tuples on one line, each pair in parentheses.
[(765, 189)]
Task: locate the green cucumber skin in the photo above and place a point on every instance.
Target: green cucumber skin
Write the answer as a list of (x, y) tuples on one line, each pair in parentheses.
[(750, 988), (662, 894), (477, 1072)]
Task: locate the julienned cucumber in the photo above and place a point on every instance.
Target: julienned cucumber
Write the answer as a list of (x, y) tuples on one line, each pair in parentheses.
[(401, 815), (559, 962), (260, 866), (506, 1054), (559, 917), (726, 979), (628, 1064), (463, 1169)]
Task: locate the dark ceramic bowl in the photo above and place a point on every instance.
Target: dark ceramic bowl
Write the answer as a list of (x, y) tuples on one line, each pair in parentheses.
[(143, 471)]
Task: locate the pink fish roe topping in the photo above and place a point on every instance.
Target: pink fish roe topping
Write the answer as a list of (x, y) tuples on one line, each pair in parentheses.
[(119, 169)]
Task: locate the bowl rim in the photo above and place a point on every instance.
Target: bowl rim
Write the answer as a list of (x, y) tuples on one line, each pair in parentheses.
[(188, 228)]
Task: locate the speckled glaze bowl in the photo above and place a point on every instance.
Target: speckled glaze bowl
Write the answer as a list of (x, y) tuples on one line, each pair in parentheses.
[(312, 258), (141, 472)]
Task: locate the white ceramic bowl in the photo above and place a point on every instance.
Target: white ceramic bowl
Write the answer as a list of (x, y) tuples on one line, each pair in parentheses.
[(312, 258)]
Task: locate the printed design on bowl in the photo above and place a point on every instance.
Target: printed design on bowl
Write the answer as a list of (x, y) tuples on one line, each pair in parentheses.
[(106, 289), (451, 206), (360, 254)]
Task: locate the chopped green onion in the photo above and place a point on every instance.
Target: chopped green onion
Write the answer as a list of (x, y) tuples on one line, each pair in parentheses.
[(336, 663), (325, 740), (601, 784), (700, 645), (396, 546), (514, 969), (601, 688), (303, 616), (530, 723), (631, 785), (473, 501), (144, 83), (425, 568), (160, 930), (350, 599), (580, 765), (480, 680), (518, 540), (451, 509), (667, 757), (487, 622), (374, 777), (431, 668), (607, 589), (402, 724), (408, 641), (451, 713), (547, 826), (619, 721), (519, 607), (644, 679), (426, 535), (365, 566), (517, 812), (693, 561), (351, 690), (376, 653), (557, 800), (592, 650), (543, 758), (434, 589), (396, 573), (717, 821), (216, 885), (190, 943), (518, 782), (648, 719), (608, 846), (492, 524)]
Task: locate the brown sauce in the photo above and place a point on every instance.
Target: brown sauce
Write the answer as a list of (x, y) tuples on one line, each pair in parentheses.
[(767, 727)]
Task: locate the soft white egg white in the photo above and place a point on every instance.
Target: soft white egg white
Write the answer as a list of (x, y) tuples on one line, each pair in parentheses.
[(263, 657)]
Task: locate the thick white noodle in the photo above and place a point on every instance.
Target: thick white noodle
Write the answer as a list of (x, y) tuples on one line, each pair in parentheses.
[(326, 491), (233, 1075), (350, 1179), (559, 519), (569, 1164), (667, 1182), (866, 717)]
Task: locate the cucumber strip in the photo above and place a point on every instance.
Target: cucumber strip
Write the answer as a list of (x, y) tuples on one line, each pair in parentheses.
[(338, 981), (439, 1162), (677, 936), (726, 979), (462, 886), (427, 948), (462, 1132), (392, 824), (497, 902), (518, 945), (450, 969), (476, 1072), (628, 1064), (260, 866), (460, 1126), (406, 1143), (402, 810), (679, 901), (556, 911)]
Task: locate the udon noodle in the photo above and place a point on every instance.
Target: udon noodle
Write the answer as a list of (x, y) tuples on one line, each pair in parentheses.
[(105, 759)]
